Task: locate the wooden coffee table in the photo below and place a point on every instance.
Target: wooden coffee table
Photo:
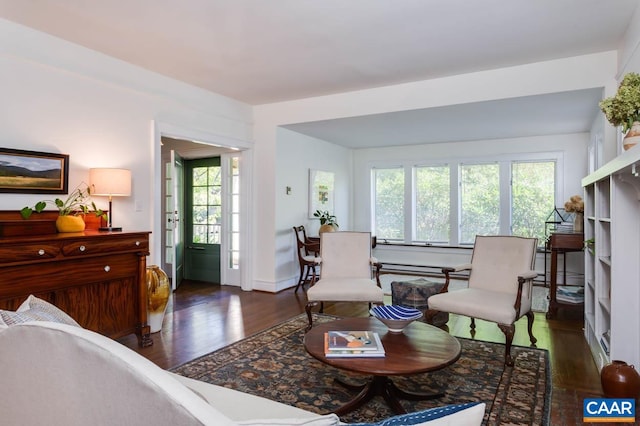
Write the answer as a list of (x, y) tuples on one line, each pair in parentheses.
[(419, 348)]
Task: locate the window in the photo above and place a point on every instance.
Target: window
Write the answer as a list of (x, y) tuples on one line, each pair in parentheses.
[(389, 203), (433, 205), (452, 203), (532, 192), (479, 201)]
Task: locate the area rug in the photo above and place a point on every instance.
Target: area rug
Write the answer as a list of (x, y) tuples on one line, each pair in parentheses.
[(274, 364), (539, 299)]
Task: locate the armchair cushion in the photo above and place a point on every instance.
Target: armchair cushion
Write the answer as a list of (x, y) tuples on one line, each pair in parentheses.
[(483, 304), (345, 290)]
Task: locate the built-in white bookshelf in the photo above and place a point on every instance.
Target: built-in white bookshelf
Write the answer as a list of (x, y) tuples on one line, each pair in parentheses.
[(612, 268)]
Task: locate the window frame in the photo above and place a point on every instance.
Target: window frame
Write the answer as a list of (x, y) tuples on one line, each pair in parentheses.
[(454, 163)]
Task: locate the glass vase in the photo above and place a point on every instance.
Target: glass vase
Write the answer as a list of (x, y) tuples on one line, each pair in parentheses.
[(158, 292)]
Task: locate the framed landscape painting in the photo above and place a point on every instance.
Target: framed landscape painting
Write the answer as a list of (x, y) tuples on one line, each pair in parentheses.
[(32, 172)]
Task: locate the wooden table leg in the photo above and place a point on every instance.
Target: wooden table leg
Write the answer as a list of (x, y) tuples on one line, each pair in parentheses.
[(382, 386), (553, 308)]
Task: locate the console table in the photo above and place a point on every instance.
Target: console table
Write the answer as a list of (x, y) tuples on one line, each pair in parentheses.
[(561, 242), (98, 278)]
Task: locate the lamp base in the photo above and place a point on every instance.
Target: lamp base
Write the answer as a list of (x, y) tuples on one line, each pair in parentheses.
[(110, 228)]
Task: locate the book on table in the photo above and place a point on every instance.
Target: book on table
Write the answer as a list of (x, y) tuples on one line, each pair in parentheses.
[(353, 344)]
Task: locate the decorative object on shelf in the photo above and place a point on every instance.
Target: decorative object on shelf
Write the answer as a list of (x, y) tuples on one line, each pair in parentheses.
[(111, 183), (623, 109), (158, 292), (328, 221), (576, 205), (70, 210), (396, 317), (620, 380)]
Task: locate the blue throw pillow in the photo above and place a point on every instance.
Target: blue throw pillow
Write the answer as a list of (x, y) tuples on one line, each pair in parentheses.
[(421, 416)]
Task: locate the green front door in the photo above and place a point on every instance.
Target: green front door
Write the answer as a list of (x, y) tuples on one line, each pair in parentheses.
[(203, 213)]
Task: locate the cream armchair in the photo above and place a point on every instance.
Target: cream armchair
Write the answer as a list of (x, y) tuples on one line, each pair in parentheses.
[(500, 286), (346, 271)]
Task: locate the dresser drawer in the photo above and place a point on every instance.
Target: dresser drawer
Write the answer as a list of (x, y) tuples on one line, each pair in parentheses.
[(21, 253), (97, 246)]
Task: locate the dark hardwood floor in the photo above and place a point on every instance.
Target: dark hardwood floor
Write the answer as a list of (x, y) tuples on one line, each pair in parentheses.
[(203, 317)]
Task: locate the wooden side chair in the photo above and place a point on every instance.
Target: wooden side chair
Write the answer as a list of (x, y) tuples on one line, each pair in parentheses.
[(307, 250), (348, 272), (501, 276)]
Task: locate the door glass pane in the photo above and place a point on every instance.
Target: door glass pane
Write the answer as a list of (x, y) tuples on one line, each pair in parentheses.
[(233, 213), (479, 201), (389, 203), (532, 197), (432, 203), (207, 204)]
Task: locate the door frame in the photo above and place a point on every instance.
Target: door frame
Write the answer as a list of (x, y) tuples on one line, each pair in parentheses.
[(160, 129)]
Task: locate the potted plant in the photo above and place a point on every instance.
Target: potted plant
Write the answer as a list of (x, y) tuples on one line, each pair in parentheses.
[(70, 211), (590, 245), (623, 109), (328, 221)]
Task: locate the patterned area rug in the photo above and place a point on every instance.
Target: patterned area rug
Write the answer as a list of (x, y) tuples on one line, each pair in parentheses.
[(274, 364)]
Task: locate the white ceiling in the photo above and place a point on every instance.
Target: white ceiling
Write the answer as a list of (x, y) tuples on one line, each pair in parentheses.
[(259, 51)]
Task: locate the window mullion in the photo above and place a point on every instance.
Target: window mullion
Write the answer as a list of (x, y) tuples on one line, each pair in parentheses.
[(505, 198), (454, 213), (409, 203)]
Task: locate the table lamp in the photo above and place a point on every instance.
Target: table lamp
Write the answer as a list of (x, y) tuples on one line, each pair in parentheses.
[(111, 183)]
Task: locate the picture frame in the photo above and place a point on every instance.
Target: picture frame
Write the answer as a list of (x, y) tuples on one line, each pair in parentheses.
[(321, 191), (33, 172)]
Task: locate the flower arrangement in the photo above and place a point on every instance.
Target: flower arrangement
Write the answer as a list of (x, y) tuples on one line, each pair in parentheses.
[(624, 108), (574, 205)]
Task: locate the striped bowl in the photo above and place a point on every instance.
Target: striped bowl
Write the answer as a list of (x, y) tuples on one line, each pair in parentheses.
[(395, 317)]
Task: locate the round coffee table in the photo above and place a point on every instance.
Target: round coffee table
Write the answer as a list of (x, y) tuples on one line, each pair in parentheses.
[(420, 348)]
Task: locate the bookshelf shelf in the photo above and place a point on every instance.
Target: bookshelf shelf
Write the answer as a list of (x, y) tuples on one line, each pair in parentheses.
[(612, 297)]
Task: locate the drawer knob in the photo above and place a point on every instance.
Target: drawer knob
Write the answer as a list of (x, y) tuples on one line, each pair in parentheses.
[(41, 252), (82, 248), (107, 268), (137, 243)]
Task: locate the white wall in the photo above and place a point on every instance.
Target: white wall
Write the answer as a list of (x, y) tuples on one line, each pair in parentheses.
[(295, 155), (60, 97)]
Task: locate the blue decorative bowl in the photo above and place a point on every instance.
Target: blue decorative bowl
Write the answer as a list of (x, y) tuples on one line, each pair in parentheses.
[(395, 317)]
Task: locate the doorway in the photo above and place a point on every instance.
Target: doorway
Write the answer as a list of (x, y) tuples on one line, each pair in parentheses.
[(202, 240)]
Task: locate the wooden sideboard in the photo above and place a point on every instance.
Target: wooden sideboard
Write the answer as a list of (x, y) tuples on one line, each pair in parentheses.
[(98, 278)]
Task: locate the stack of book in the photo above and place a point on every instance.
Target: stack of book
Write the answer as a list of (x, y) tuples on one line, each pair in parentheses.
[(570, 294), (352, 344)]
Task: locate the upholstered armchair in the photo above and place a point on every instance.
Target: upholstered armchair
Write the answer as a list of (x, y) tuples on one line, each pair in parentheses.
[(346, 272), (501, 276)]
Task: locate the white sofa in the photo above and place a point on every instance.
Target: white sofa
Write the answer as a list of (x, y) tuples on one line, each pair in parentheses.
[(61, 374)]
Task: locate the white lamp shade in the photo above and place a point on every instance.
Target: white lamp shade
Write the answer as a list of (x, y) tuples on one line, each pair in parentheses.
[(111, 182)]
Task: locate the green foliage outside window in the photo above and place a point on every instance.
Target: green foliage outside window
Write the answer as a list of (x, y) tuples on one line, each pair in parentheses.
[(480, 201), (389, 203)]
